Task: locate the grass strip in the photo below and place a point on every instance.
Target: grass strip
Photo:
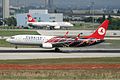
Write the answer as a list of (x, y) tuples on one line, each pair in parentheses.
[(95, 74), (103, 60), (17, 32)]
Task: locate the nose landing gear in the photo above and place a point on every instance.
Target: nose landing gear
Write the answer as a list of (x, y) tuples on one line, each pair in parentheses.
[(16, 47)]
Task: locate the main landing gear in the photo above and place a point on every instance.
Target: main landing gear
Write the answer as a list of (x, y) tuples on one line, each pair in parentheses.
[(57, 50), (16, 47), (52, 28)]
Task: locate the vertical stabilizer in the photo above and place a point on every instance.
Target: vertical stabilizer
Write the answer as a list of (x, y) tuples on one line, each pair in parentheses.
[(100, 31), (30, 19)]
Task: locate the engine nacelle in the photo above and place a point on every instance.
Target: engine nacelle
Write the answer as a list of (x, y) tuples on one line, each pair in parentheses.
[(47, 45), (57, 27)]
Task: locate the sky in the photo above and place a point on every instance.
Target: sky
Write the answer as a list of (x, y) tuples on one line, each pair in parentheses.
[(69, 3)]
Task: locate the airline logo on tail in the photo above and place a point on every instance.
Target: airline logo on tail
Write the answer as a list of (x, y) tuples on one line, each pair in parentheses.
[(101, 31), (30, 19)]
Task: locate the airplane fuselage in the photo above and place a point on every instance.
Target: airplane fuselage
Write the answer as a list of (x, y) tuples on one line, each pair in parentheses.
[(50, 24), (51, 41)]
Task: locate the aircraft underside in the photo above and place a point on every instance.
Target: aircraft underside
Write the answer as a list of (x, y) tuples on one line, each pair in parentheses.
[(78, 44)]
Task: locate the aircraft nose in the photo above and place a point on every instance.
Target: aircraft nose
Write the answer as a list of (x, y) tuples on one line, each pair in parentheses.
[(71, 24), (8, 40)]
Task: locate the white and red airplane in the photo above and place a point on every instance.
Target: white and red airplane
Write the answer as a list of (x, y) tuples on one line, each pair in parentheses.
[(51, 25), (61, 41)]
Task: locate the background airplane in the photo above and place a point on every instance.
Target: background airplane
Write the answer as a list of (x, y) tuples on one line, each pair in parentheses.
[(61, 41), (51, 25)]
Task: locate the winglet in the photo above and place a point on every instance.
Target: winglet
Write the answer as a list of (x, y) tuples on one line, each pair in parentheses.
[(66, 34), (76, 39)]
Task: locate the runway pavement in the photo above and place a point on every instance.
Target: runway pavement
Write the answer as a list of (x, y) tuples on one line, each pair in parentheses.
[(28, 53), (114, 33)]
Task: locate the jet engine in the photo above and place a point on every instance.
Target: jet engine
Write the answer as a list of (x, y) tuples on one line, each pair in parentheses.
[(57, 27), (47, 45)]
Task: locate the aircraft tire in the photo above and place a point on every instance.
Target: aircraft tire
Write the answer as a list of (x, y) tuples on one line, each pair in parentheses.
[(16, 47), (57, 49)]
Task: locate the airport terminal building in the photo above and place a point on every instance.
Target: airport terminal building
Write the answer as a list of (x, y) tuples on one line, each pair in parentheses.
[(39, 15)]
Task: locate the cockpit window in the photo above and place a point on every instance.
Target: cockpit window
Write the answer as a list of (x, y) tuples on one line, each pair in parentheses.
[(12, 37)]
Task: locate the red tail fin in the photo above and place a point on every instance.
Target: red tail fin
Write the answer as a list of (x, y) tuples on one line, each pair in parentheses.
[(101, 31), (30, 19)]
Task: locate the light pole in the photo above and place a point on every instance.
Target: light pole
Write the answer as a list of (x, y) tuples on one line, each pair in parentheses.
[(93, 3), (46, 4)]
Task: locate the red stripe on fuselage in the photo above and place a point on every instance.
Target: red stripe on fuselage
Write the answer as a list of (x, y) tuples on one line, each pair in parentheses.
[(55, 39)]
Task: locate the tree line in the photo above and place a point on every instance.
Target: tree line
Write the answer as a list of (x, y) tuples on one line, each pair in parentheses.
[(114, 22), (11, 21)]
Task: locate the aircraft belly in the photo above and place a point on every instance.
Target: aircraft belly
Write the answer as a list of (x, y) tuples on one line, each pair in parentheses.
[(77, 44)]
